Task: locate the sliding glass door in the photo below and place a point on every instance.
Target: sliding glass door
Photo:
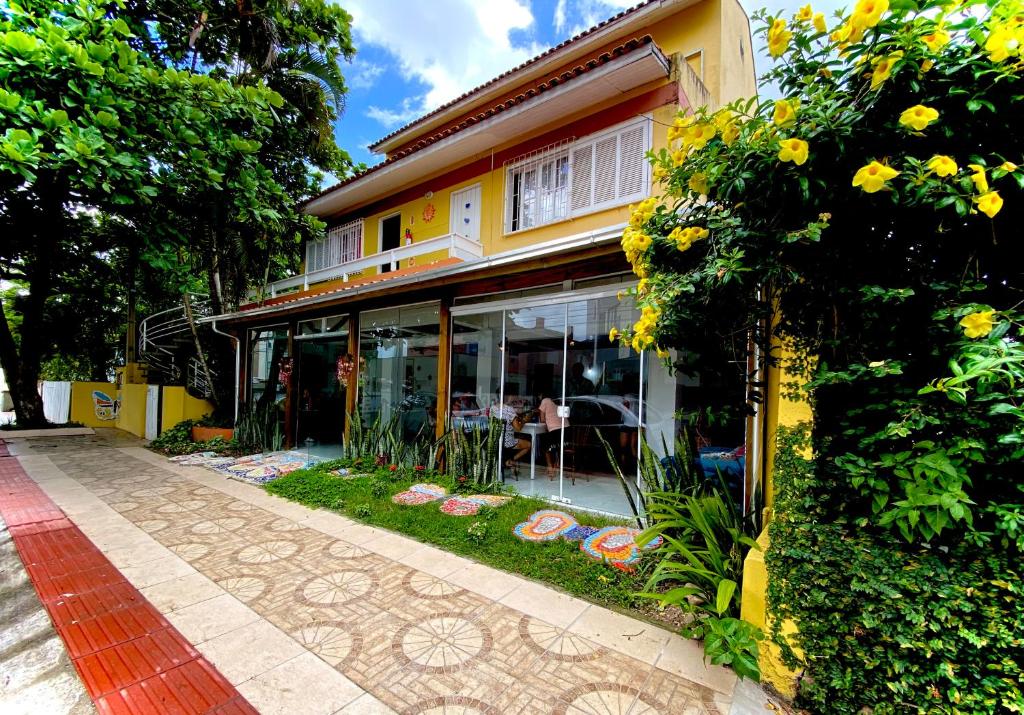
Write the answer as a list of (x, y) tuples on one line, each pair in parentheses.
[(576, 395)]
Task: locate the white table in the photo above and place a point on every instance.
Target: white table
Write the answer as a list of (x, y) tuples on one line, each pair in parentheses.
[(533, 429)]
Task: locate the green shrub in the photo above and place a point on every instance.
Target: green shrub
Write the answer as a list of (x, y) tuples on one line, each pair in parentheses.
[(885, 626), (477, 532), (362, 511)]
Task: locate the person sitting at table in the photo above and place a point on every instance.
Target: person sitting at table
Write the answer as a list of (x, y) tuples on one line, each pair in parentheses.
[(551, 441), (510, 440)]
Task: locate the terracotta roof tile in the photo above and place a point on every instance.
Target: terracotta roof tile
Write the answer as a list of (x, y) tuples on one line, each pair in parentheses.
[(518, 68), (544, 86), (349, 285)]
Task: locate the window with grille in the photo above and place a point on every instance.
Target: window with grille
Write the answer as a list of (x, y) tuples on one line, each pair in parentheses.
[(343, 244), (591, 174)]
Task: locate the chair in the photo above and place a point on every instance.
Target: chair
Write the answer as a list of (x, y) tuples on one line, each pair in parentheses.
[(578, 439)]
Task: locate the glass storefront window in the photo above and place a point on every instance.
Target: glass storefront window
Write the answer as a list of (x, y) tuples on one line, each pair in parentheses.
[(268, 346), (476, 369), (398, 367)]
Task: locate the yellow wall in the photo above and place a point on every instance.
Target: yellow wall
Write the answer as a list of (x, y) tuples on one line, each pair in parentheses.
[(132, 415), (754, 609), (178, 405), (717, 29), (84, 408)]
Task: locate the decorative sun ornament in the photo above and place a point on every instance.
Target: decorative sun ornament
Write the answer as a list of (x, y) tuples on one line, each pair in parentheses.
[(428, 213)]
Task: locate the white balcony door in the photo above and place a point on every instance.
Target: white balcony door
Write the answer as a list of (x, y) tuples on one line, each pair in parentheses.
[(466, 212)]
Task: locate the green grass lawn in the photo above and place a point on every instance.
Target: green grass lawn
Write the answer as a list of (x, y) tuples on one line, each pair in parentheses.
[(559, 563)]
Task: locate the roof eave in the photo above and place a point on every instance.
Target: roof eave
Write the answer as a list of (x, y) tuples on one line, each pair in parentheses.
[(638, 16)]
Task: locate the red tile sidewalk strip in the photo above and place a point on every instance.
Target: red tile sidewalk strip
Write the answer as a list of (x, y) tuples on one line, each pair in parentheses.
[(131, 660)]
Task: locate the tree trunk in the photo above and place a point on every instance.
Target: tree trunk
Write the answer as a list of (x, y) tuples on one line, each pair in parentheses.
[(22, 377)]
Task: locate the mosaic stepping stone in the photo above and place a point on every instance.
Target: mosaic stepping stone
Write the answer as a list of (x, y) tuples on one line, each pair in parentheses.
[(579, 533), (616, 545), (435, 489), (194, 458), (411, 498), (459, 506), (544, 525), (494, 500)]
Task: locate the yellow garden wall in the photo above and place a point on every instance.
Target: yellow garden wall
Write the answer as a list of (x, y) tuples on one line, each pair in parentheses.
[(779, 412), (92, 410), (132, 415), (754, 610), (178, 406)]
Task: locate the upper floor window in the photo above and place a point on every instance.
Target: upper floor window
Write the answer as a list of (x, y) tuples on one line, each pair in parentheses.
[(343, 244), (594, 173)]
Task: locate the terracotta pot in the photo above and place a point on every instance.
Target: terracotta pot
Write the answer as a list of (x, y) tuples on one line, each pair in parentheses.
[(204, 434)]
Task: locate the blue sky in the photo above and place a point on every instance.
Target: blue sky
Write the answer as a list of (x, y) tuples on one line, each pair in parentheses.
[(414, 56)]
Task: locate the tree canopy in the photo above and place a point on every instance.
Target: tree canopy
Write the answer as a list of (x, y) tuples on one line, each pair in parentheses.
[(95, 125)]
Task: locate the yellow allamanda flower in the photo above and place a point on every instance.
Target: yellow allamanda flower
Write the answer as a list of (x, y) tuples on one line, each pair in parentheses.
[(883, 68), (679, 124), (804, 14), (1008, 166), (819, 22), (659, 173), (778, 38), (942, 165), (614, 334), (846, 34), (661, 353), (684, 237), (794, 150), (678, 157), (872, 177), (642, 212), (978, 177), (1004, 41), (927, 65), (918, 117), (698, 182), (989, 203), (784, 113), (935, 41), (867, 13), (978, 325), (698, 135)]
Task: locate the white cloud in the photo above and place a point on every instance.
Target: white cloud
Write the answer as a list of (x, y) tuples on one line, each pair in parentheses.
[(363, 75), (560, 15), (450, 46), (395, 117)]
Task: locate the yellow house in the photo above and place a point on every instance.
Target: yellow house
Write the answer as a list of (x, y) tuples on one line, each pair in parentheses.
[(476, 270)]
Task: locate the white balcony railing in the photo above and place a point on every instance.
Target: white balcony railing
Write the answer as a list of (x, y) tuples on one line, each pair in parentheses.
[(454, 245)]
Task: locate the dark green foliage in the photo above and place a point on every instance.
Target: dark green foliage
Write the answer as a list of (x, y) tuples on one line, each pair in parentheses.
[(471, 457), (890, 627), (178, 440), (259, 428)]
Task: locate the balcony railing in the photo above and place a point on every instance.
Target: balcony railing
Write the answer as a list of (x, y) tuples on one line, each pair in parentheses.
[(454, 245), (695, 90)]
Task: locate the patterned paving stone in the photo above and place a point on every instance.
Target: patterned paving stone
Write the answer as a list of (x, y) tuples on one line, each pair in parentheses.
[(417, 643)]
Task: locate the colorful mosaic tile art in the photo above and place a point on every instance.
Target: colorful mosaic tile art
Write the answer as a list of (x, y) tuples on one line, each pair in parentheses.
[(419, 494), (616, 545), (253, 468), (459, 506), (545, 525), (579, 533)]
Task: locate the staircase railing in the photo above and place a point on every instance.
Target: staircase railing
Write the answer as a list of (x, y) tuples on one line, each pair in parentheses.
[(159, 333)]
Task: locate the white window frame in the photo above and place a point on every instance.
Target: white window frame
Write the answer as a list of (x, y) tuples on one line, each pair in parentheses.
[(343, 244), (566, 150)]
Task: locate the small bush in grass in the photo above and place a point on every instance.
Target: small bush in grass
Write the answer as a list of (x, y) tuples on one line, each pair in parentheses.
[(362, 511), (380, 487), (477, 532)]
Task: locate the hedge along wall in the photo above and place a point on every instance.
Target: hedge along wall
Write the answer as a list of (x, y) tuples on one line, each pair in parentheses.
[(885, 626)]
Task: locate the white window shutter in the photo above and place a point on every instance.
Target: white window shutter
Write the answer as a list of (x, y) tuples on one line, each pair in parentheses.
[(631, 162), (605, 165), (582, 163)]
